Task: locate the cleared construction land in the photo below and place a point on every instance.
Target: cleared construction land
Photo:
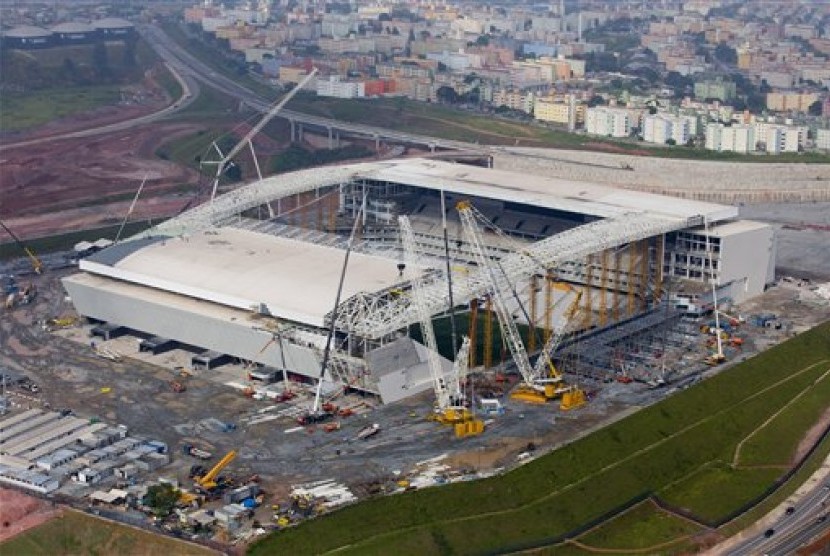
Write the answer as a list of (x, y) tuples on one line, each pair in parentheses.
[(734, 434)]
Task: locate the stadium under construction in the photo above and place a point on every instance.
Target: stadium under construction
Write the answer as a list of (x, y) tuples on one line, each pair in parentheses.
[(257, 274)]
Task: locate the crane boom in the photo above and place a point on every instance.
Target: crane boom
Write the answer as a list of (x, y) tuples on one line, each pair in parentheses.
[(37, 265), (208, 481), (546, 355), (509, 328), (257, 128), (439, 383)]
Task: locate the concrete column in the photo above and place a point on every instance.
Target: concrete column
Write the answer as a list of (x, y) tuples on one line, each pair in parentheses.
[(331, 138), (291, 121), (337, 139), (377, 142), (299, 133)]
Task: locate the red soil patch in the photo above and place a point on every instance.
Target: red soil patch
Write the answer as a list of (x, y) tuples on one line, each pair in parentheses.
[(73, 184), (19, 512)]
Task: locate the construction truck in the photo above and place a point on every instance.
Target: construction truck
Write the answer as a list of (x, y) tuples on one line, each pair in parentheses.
[(537, 386), (210, 481), (450, 407), (193, 451)]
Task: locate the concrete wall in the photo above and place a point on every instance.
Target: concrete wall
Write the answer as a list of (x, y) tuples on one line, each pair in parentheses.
[(748, 258), (236, 338)]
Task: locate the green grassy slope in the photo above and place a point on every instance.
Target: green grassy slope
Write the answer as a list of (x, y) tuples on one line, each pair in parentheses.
[(659, 446)]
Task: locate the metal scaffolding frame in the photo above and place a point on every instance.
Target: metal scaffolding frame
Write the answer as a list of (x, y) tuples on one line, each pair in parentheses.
[(375, 315)]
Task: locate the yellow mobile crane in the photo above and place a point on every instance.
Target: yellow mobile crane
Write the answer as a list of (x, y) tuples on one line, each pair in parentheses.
[(37, 265), (208, 481), (534, 387)]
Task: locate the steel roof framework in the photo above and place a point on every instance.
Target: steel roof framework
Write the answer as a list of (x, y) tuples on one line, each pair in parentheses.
[(375, 315)]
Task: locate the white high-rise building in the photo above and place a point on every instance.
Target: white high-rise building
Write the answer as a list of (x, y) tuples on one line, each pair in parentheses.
[(608, 122), (659, 128), (735, 138)]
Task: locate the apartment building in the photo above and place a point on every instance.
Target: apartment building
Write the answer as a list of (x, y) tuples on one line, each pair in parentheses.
[(790, 102), (608, 122), (661, 128), (736, 138), (559, 111)]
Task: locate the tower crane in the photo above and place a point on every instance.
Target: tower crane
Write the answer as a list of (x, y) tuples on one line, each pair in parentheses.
[(534, 387), (37, 265), (449, 399)]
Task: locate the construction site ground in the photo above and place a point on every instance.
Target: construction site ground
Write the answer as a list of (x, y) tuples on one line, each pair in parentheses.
[(136, 391)]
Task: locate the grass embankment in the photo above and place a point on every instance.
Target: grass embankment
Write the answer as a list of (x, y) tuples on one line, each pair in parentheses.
[(664, 449), (22, 111), (62, 81), (79, 534)]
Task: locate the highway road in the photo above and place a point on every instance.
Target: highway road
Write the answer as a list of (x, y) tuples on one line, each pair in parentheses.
[(797, 525), (177, 56)]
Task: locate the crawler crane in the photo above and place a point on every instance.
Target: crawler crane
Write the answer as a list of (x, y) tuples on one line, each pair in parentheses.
[(553, 386), (534, 388), (450, 408)]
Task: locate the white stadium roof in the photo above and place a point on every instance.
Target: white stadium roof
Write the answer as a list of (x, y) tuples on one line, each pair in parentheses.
[(195, 255), (566, 195), (296, 281), (572, 196)]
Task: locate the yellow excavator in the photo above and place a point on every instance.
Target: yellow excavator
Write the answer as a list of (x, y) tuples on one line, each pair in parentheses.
[(208, 482)]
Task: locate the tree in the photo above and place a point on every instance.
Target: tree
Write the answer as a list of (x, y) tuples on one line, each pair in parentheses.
[(100, 61), (446, 94), (161, 499), (815, 108), (671, 141), (726, 54), (483, 40), (595, 100)]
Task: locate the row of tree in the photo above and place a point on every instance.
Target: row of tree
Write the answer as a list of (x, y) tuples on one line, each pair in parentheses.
[(81, 66)]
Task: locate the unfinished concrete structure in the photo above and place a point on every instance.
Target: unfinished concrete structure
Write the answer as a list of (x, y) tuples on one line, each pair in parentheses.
[(254, 274)]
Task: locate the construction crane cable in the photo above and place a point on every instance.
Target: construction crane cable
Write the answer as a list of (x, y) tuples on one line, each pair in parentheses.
[(330, 337)]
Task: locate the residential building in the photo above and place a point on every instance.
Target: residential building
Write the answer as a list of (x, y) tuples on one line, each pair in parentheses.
[(823, 139), (609, 122), (334, 87), (559, 111), (736, 138), (790, 102), (516, 100), (660, 128), (721, 90)]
